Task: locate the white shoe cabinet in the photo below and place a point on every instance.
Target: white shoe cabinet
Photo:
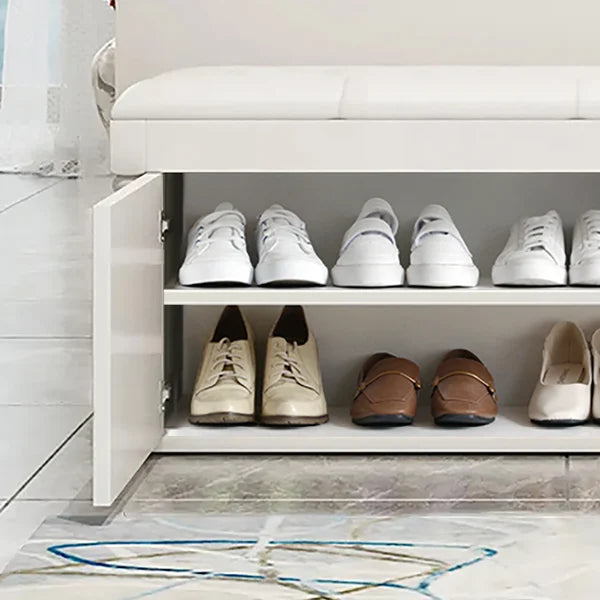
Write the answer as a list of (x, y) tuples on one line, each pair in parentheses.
[(148, 331)]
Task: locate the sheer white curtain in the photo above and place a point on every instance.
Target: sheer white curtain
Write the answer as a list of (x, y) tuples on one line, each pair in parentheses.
[(48, 122)]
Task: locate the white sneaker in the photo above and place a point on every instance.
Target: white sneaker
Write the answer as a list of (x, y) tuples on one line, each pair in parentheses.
[(563, 393), (369, 256), (596, 378), (534, 254), (439, 256), (292, 388), (216, 250), (225, 384), (585, 255), (285, 254)]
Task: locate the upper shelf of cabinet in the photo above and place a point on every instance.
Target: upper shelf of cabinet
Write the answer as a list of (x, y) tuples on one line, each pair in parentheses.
[(485, 294)]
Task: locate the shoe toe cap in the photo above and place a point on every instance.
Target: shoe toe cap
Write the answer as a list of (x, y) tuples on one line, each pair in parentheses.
[(223, 399), (299, 403)]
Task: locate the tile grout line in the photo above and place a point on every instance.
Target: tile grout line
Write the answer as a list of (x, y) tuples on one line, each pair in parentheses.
[(79, 427), (30, 196)]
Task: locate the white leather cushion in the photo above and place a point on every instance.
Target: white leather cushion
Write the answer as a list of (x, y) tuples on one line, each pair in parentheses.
[(235, 93), (365, 92), (461, 92)]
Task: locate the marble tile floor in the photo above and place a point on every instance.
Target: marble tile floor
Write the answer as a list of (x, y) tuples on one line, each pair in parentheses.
[(309, 557)]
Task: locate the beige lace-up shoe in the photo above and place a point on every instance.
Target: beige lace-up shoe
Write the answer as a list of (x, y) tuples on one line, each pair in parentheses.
[(225, 384), (292, 388)]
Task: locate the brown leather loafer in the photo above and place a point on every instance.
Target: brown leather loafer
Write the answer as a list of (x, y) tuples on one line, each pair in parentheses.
[(463, 391), (387, 391)]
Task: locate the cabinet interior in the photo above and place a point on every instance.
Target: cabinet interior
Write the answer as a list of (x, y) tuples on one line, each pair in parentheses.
[(507, 337)]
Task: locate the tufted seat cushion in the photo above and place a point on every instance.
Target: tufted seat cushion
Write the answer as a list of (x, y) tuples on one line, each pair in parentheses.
[(235, 93), (364, 92)]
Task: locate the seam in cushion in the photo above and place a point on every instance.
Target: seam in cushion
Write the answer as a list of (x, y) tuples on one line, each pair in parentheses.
[(342, 97)]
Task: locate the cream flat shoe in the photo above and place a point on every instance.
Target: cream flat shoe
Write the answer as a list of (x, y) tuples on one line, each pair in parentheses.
[(292, 387), (562, 396), (224, 391)]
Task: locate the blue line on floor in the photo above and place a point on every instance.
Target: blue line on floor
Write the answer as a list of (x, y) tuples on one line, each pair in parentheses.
[(60, 550)]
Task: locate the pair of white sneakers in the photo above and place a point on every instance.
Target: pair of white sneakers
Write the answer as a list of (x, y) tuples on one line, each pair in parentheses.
[(535, 252), (217, 251), (369, 256), (563, 395)]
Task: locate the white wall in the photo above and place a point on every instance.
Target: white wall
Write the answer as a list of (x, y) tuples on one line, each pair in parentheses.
[(158, 35)]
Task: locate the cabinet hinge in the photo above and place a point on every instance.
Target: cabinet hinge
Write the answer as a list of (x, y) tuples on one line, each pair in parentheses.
[(163, 226), (165, 395)]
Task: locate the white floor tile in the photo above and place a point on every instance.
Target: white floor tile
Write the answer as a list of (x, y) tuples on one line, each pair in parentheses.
[(45, 371), (68, 475), (45, 259), (29, 435), (15, 188)]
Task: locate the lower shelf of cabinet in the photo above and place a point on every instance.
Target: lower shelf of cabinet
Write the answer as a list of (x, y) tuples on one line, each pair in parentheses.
[(510, 433)]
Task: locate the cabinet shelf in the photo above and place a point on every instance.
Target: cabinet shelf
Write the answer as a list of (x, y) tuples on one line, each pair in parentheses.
[(510, 433), (485, 294)]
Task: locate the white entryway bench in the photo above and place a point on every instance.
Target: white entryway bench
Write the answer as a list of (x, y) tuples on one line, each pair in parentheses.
[(319, 104)]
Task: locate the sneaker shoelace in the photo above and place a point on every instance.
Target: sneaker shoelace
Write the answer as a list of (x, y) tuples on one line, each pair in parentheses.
[(221, 228), (228, 362), (282, 223), (536, 232), (288, 365), (592, 225)]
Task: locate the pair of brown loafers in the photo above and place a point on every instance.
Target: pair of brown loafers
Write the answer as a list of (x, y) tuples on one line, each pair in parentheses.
[(463, 391)]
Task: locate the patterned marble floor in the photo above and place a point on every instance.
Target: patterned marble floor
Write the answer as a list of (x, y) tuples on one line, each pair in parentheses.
[(309, 557)]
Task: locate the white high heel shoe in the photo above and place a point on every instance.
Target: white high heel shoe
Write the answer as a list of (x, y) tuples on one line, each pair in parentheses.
[(562, 396)]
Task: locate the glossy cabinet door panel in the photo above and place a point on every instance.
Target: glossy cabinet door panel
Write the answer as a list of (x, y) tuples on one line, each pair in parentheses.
[(128, 333)]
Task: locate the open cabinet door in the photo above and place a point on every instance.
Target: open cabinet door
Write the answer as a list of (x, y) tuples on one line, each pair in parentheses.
[(128, 333)]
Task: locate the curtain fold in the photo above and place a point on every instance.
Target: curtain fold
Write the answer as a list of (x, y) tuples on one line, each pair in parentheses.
[(48, 120)]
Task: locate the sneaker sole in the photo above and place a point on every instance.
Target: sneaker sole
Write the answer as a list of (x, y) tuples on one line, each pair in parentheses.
[(530, 273), (384, 420), (442, 275), (367, 275), (224, 418), (585, 274), (290, 272), (285, 421), (216, 272), (463, 420)]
